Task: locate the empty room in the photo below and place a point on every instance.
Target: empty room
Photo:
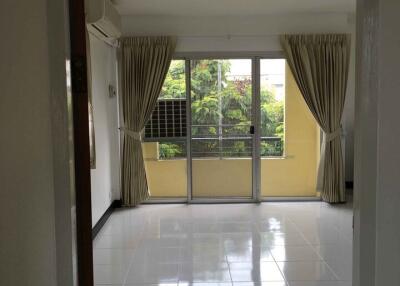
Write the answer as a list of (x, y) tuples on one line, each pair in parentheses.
[(221, 136), (199, 143)]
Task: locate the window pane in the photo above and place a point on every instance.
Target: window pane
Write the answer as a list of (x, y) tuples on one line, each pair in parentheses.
[(288, 129), (168, 119), (172, 150), (221, 108), (164, 149), (221, 95), (174, 84), (272, 97)]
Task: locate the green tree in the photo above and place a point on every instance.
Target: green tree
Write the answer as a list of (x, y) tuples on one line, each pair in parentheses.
[(217, 97), (174, 84), (272, 114), (272, 118)]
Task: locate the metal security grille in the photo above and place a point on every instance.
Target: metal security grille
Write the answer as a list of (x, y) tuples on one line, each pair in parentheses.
[(167, 121), (231, 141)]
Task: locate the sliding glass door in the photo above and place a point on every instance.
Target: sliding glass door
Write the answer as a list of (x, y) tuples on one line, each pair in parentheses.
[(221, 128), (230, 129)]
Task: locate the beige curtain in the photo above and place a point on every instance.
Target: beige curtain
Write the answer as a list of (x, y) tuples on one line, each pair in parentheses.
[(320, 64), (145, 63)]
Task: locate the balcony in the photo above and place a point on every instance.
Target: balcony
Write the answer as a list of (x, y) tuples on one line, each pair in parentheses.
[(221, 150)]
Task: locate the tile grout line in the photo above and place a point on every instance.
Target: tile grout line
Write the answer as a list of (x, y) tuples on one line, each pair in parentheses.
[(257, 228), (313, 248), (134, 253), (229, 268), (280, 270), (129, 269)]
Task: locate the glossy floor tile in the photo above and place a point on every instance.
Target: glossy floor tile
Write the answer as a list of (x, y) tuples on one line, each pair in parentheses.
[(270, 244)]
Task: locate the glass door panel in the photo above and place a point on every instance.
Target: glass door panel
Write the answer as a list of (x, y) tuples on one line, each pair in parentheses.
[(164, 142), (289, 135), (221, 120)]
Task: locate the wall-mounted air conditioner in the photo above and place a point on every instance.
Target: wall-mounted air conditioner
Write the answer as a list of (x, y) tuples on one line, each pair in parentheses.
[(103, 20)]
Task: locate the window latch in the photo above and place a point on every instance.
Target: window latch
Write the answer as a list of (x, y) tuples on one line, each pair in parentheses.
[(252, 129)]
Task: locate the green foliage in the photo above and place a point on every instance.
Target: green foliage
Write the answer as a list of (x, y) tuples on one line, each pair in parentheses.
[(171, 150), (174, 84), (272, 115), (204, 77), (274, 148), (205, 111), (234, 96)]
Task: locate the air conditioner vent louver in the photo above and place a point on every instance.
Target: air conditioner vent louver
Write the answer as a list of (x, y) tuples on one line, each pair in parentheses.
[(99, 30)]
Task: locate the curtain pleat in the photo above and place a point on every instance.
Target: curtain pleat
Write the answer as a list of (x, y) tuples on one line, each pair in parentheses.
[(145, 63), (320, 64)]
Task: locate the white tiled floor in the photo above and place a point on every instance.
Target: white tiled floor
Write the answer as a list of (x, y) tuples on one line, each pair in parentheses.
[(270, 244)]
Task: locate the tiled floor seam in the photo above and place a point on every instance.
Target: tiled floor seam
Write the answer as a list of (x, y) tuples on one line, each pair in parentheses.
[(129, 268), (280, 270)]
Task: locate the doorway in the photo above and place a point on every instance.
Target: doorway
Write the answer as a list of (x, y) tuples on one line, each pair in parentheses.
[(221, 128), (231, 128)]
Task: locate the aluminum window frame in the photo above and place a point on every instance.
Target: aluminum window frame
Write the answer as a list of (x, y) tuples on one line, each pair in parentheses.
[(256, 196)]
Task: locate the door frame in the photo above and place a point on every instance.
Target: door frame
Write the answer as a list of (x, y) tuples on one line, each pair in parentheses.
[(230, 199), (256, 196), (79, 84)]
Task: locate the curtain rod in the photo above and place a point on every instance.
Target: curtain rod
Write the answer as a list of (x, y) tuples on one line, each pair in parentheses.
[(229, 36), (223, 36)]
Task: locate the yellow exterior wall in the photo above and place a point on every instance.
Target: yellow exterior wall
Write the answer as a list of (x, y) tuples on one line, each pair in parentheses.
[(222, 178), (166, 178), (292, 175), (296, 174)]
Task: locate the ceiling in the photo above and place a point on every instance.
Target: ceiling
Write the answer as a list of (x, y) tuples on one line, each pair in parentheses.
[(231, 7)]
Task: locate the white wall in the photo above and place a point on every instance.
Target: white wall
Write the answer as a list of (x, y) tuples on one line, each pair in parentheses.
[(365, 137), (348, 111), (105, 178), (235, 25), (252, 34), (377, 180), (35, 190), (388, 155)]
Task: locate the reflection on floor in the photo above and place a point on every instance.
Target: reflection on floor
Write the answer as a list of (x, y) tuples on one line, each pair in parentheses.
[(270, 244)]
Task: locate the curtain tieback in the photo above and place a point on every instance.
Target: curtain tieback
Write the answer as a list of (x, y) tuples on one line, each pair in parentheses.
[(133, 134), (333, 135)]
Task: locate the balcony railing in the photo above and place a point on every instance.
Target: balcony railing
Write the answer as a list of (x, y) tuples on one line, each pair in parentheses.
[(214, 141)]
